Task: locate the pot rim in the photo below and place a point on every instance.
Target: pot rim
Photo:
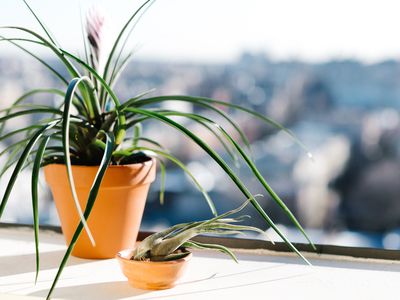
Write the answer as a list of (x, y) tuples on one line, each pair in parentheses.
[(116, 177), (151, 161), (120, 256)]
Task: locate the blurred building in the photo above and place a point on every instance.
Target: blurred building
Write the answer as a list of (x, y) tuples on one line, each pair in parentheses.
[(347, 114)]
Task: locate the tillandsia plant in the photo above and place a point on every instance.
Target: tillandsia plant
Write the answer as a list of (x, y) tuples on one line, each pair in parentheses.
[(174, 242), (93, 126)]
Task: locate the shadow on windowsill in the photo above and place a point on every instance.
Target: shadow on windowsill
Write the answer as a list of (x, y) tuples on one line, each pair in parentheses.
[(19, 264), (100, 291)]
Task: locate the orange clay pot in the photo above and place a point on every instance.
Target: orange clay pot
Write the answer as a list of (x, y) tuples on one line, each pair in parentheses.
[(116, 215), (152, 275)]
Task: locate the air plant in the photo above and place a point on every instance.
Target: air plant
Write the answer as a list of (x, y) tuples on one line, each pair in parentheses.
[(93, 126), (174, 242)]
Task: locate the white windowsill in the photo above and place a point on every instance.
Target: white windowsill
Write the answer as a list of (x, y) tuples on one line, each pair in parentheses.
[(260, 274)]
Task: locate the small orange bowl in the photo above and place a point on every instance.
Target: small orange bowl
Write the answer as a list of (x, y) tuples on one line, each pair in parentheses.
[(151, 275)]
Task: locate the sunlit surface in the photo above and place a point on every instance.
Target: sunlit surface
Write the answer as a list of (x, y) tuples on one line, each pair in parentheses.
[(345, 112)]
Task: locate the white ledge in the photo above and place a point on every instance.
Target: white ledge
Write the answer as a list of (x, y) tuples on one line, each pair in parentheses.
[(260, 274)]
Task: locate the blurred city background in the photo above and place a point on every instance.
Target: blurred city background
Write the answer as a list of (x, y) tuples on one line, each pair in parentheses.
[(344, 106)]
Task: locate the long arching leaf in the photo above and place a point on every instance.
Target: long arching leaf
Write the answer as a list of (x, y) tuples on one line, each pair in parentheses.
[(10, 134), (21, 163), (200, 121), (83, 110), (118, 68), (197, 100), (110, 143), (34, 189), (41, 24), (30, 111), (115, 45), (66, 137), (150, 141), (12, 41), (202, 246), (179, 164), (264, 183), (11, 160), (17, 145), (255, 171), (207, 106), (225, 167), (70, 67)]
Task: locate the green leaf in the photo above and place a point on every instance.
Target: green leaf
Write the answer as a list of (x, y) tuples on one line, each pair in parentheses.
[(162, 181), (66, 137), (198, 245), (117, 69), (11, 40), (200, 120), (21, 163), (137, 132), (10, 134), (131, 101), (150, 141), (228, 213), (224, 166), (10, 160), (34, 187), (235, 227), (264, 183), (57, 51), (31, 93), (199, 100), (116, 43), (30, 111), (41, 23), (205, 105), (28, 106), (121, 117), (179, 164), (28, 129), (145, 245), (70, 67), (110, 143), (168, 245), (257, 173)]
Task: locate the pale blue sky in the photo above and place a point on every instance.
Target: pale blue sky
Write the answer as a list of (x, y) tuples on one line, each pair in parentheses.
[(219, 30)]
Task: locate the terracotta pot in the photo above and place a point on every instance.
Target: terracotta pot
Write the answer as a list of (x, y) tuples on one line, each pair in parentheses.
[(116, 215), (152, 275)]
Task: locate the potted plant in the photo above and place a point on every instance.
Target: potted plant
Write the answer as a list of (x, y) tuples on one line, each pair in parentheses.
[(93, 129), (159, 260)]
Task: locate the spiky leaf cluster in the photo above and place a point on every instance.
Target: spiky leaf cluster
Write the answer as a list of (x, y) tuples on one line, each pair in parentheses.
[(163, 245)]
